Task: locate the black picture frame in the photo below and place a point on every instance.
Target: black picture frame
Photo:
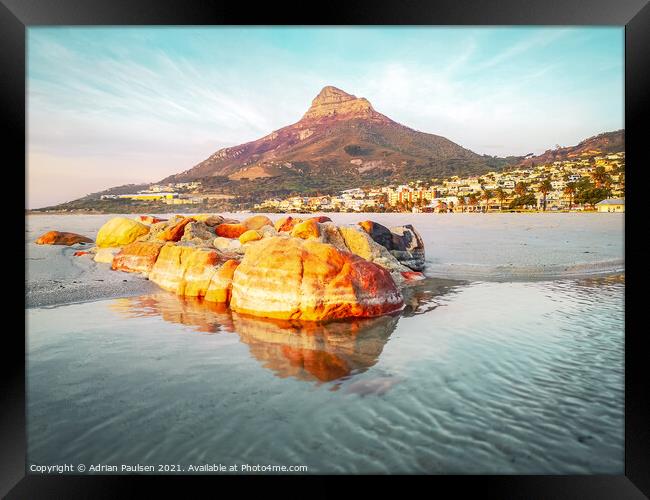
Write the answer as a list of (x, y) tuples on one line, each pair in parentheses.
[(17, 15)]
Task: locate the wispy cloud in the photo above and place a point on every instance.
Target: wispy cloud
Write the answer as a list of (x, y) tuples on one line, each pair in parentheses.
[(125, 104)]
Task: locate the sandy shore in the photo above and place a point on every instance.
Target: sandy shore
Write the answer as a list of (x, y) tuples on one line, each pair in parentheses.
[(485, 247)]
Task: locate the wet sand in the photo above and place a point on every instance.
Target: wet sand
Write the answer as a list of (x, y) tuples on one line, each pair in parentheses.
[(483, 247)]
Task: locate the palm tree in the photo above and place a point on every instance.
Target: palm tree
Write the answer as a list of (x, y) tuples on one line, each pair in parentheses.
[(570, 191), (501, 196), (487, 196), (473, 200), (521, 188), (599, 176), (545, 187)]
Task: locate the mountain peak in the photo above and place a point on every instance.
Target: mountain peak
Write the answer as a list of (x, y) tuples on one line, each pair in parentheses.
[(333, 102)]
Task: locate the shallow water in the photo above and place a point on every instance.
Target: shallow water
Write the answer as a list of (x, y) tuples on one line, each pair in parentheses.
[(472, 377)]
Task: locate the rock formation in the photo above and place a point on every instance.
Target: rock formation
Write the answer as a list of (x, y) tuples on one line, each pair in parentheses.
[(120, 231), (61, 238), (291, 278)]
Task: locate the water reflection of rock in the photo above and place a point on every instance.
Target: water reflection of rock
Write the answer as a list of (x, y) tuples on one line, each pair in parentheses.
[(311, 351)]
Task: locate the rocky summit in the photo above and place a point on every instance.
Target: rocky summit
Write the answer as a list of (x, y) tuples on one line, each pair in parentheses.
[(341, 136), (291, 269)]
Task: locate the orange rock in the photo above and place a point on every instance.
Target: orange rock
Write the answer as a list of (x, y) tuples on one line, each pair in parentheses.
[(250, 235), (308, 280), (220, 287), (60, 238), (231, 230), (79, 254), (306, 229), (137, 257), (321, 219), (185, 270), (150, 219), (175, 232), (412, 275), (286, 223), (257, 222)]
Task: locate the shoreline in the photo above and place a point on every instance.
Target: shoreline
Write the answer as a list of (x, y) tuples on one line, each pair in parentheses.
[(503, 248)]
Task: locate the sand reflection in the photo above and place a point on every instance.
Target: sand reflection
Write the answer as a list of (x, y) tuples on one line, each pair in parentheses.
[(320, 352)]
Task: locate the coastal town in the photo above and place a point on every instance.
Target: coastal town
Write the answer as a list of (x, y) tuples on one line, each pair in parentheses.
[(587, 182)]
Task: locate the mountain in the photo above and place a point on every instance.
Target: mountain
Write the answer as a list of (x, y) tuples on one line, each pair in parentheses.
[(607, 142), (344, 137)]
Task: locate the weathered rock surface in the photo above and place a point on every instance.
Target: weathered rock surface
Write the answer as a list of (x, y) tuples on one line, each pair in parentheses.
[(286, 223), (220, 287), (318, 282), (105, 255), (257, 222), (176, 231), (211, 220), (306, 229), (227, 244), (231, 230), (414, 245), (198, 233), (185, 270), (250, 235), (137, 257), (61, 238), (360, 243), (120, 231), (150, 219)]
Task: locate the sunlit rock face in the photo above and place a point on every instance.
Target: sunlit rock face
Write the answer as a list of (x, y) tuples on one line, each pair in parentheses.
[(403, 242), (137, 257), (332, 102), (291, 278), (360, 243), (231, 230), (150, 219), (176, 231), (257, 222), (185, 270), (120, 231), (61, 238)]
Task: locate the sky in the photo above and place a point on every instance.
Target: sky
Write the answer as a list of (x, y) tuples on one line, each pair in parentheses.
[(113, 106)]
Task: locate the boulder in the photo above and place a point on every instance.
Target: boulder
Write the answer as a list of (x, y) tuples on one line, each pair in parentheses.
[(382, 235), (227, 244), (321, 219), (198, 233), (150, 219), (137, 257), (412, 276), (257, 222), (413, 255), (286, 223), (120, 231), (185, 270), (292, 278), (61, 238), (250, 235), (360, 243), (306, 229), (231, 230), (220, 287), (176, 231), (211, 220), (105, 255)]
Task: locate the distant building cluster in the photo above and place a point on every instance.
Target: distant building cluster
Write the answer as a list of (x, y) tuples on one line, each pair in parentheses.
[(171, 194), (560, 185)]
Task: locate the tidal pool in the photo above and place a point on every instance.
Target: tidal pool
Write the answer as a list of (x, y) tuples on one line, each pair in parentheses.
[(511, 377)]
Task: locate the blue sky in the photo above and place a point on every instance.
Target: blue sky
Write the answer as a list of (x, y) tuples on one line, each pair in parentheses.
[(109, 106)]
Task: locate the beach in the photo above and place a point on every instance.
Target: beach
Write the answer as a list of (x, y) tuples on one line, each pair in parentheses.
[(458, 246), (506, 359)]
